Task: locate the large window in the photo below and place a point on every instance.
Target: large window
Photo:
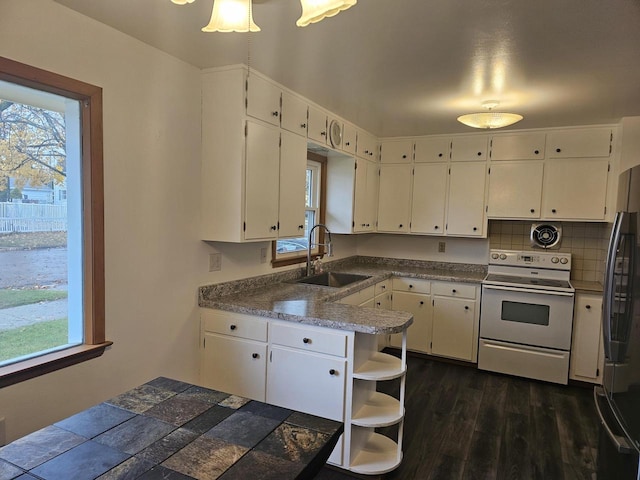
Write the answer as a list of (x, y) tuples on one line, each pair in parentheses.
[(51, 222), (288, 251)]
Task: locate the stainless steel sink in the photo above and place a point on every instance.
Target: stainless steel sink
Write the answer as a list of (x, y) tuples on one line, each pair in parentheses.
[(332, 279)]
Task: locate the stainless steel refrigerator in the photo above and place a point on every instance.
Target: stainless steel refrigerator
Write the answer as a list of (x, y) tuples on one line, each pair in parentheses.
[(618, 400)]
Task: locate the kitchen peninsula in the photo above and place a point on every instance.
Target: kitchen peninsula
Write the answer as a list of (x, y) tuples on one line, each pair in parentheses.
[(316, 348)]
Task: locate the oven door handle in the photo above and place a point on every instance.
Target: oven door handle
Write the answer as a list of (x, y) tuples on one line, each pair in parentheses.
[(528, 290)]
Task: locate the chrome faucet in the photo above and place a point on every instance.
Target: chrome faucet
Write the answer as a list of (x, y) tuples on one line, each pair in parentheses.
[(310, 245)]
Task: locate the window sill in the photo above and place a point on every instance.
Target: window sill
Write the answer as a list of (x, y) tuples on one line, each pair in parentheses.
[(34, 367)]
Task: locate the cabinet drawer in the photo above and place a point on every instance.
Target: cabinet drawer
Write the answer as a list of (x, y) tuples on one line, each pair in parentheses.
[(308, 339), (360, 297), (418, 285), (447, 289), (234, 324), (383, 287)]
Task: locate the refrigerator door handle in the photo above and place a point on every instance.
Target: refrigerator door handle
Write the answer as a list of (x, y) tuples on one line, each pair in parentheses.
[(621, 444), (614, 244)]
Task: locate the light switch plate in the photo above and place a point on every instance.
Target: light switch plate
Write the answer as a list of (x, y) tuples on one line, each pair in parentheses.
[(215, 262), (263, 255), (442, 246)]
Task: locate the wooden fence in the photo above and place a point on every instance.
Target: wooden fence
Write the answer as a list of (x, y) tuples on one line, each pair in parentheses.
[(32, 217)]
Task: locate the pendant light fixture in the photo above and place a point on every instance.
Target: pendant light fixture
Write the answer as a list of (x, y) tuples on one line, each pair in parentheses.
[(490, 119), (315, 10), (182, 2), (231, 16)]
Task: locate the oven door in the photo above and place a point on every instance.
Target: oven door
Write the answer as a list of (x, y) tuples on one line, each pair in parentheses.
[(526, 316)]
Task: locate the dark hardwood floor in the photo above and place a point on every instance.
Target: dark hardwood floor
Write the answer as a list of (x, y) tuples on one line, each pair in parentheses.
[(463, 423)]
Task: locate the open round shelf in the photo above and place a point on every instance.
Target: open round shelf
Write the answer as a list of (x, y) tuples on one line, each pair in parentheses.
[(380, 410), (380, 366), (379, 455)]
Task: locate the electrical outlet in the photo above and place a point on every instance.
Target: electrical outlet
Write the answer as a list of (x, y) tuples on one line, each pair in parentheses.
[(442, 247), (215, 262), (263, 255)]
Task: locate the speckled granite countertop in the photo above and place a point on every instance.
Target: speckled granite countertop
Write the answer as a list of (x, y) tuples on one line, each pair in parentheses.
[(174, 430), (276, 296)]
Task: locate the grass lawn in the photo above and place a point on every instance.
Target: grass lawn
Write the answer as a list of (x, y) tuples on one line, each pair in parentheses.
[(33, 240), (32, 338), (14, 298)]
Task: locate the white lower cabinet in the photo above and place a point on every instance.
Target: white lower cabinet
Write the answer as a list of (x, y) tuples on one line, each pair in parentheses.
[(321, 371), (587, 352)]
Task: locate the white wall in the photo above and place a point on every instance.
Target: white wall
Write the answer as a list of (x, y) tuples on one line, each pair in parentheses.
[(151, 162)]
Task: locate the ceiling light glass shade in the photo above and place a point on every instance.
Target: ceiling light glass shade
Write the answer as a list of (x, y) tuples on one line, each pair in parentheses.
[(489, 120), (182, 2), (231, 16), (315, 10)]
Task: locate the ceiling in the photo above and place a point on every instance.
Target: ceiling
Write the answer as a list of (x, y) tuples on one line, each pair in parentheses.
[(410, 67)]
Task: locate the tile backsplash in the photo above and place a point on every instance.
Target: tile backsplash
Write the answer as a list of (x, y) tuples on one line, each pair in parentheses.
[(586, 242)]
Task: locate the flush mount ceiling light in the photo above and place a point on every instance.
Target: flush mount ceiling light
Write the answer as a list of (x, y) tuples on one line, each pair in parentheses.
[(490, 119), (315, 10)]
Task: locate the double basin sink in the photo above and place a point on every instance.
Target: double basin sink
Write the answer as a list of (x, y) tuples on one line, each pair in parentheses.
[(332, 279)]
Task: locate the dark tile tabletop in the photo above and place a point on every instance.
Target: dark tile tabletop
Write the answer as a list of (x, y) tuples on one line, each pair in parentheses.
[(167, 429)]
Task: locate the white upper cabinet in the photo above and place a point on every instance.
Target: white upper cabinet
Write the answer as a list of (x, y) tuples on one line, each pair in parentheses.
[(349, 138), (396, 151), (294, 114), (575, 189), (263, 100), (365, 196), (523, 146), (580, 143), (262, 180), (367, 145), (394, 201), (293, 171), (515, 190), (429, 198), (317, 125), (432, 149), (465, 207), (471, 148)]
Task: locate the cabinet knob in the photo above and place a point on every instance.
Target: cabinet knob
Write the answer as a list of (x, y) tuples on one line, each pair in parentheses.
[(273, 227), (436, 227), (466, 307), (232, 327), (479, 154), (404, 156), (400, 226), (475, 229), (300, 227), (324, 134), (588, 307), (378, 303), (383, 287), (537, 152), (363, 225), (553, 210), (306, 340), (440, 154), (367, 225), (533, 210), (347, 143), (254, 355), (410, 286), (332, 372), (558, 150), (275, 114), (421, 302), (303, 125), (371, 154)]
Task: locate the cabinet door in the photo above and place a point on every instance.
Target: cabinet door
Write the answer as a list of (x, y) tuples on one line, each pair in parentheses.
[(432, 149), (307, 382), (262, 179), (523, 146), (366, 146), (515, 190), (349, 137), (587, 334), (366, 196), (419, 332), (453, 325), (396, 151), (575, 189), (394, 198), (429, 198), (471, 148), (383, 301), (317, 125), (263, 100), (580, 143), (465, 210), (234, 365), (294, 114), (293, 167)]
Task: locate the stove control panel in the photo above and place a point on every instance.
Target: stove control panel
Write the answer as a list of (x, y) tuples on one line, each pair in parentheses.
[(516, 258)]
